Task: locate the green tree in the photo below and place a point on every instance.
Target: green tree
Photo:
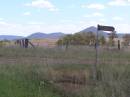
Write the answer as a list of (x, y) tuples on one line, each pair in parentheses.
[(2, 43), (78, 39), (111, 38), (91, 38), (60, 42), (102, 40)]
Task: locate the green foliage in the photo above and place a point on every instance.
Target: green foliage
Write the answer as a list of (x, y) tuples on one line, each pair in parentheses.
[(102, 40), (78, 39), (22, 81), (111, 39), (2, 43), (59, 42), (81, 39)]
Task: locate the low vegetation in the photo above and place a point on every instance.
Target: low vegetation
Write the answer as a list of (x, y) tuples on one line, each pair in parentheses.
[(55, 72)]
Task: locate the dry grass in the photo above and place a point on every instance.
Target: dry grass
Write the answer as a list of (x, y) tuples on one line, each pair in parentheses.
[(44, 42), (70, 71)]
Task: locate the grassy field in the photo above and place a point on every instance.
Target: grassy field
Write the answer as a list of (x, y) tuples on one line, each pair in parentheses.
[(56, 72)]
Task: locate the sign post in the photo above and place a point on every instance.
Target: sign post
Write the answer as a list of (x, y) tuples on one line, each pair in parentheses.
[(99, 28), (96, 60)]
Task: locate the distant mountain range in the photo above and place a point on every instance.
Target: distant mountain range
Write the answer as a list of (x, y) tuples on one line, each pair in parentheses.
[(10, 37), (37, 35), (56, 35), (40, 35)]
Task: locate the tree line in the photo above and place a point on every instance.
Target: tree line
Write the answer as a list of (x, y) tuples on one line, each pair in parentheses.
[(81, 39), (89, 39)]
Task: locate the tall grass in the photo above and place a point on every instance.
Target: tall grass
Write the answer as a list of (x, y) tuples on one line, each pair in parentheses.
[(56, 72)]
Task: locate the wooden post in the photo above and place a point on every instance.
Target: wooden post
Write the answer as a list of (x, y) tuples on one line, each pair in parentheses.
[(26, 43), (96, 59), (119, 46), (31, 44), (20, 43), (66, 45), (23, 43)]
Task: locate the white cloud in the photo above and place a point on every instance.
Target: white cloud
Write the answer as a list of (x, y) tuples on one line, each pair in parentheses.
[(72, 6), (94, 6), (67, 21), (31, 27), (42, 4), (96, 14), (8, 28), (3, 23), (27, 13), (119, 3), (117, 18), (35, 23), (122, 28), (87, 16), (102, 20), (1, 19)]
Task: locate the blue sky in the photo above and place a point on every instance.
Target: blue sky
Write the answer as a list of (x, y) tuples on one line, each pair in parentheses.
[(23, 17)]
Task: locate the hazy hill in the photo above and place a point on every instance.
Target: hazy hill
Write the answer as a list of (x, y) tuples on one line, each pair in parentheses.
[(9, 37), (40, 35), (90, 29), (94, 30), (37, 35)]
